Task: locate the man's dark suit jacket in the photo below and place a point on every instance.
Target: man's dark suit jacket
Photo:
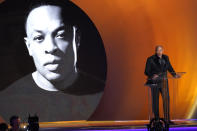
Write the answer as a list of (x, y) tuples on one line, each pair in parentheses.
[(154, 67)]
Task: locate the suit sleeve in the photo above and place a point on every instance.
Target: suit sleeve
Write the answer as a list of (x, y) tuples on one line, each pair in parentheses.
[(170, 68), (148, 68)]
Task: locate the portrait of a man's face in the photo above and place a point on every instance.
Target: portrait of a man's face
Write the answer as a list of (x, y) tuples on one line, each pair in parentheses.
[(59, 63), (53, 46)]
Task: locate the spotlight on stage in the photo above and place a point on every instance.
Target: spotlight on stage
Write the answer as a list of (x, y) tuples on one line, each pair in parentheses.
[(158, 125)]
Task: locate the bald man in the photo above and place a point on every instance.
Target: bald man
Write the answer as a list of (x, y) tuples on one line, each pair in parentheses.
[(156, 69)]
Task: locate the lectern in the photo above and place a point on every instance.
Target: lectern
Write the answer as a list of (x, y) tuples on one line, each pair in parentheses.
[(171, 83)]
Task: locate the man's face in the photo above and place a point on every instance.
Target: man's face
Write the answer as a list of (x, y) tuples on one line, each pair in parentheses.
[(51, 43), (159, 51)]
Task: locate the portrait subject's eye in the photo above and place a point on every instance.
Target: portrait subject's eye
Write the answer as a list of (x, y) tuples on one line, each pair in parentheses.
[(60, 35), (38, 38)]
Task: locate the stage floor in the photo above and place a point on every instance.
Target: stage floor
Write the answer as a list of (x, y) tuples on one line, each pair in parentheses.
[(138, 125)]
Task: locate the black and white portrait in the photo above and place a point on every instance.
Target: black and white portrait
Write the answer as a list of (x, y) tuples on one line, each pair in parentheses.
[(53, 61)]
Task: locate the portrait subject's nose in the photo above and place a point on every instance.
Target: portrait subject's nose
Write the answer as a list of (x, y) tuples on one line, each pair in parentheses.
[(50, 45)]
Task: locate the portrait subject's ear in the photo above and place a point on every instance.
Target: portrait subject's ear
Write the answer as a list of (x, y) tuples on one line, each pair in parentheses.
[(27, 45)]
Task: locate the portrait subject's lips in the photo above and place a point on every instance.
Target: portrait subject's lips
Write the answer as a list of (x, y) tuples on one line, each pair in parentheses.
[(53, 65)]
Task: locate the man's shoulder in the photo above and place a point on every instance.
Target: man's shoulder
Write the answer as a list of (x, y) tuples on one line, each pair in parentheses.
[(151, 57), (165, 56), (86, 84), (20, 84), (154, 56)]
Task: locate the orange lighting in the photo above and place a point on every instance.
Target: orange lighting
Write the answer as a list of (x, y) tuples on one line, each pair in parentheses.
[(130, 29)]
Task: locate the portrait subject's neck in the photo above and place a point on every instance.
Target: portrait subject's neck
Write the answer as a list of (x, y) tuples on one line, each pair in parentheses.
[(45, 84), (42, 82)]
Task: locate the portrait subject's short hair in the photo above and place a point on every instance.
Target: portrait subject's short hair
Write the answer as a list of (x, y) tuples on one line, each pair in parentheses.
[(69, 11)]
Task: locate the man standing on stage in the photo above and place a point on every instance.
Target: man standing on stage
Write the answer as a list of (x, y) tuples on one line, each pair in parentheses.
[(156, 69)]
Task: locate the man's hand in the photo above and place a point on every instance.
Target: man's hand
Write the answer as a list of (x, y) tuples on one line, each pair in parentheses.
[(155, 76), (177, 76)]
